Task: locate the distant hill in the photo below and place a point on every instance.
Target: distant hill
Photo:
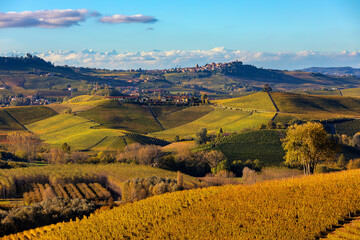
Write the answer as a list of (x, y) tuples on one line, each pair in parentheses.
[(18, 74), (335, 71)]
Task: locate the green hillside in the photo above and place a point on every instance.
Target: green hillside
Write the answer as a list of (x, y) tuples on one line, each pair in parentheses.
[(7, 123), (264, 145), (78, 132), (31, 114), (228, 120), (180, 115), (257, 101), (14, 118), (316, 106), (349, 128), (130, 117), (351, 92)]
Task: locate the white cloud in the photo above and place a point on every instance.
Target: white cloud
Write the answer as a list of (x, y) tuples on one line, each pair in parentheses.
[(45, 18), (156, 59), (139, 18)]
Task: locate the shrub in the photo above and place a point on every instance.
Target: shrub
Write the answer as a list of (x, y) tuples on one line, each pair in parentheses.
[(43, 213), (322, 169), (353, 164), (140, 188), (141, 154)]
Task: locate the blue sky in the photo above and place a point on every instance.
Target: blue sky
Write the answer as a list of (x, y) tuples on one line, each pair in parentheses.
[(257, 26)]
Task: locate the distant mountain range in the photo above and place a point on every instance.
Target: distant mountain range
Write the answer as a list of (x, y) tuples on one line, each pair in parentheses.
[(335, 71)]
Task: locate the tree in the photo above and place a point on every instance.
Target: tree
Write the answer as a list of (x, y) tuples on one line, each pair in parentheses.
[(307, 144), (203, 98), (201, 136), (27, 143), (267, 88), (66, 148)]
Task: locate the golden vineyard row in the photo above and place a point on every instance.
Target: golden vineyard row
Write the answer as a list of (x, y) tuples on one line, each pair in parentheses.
[(299, 208), (89, 191), (15, 182)]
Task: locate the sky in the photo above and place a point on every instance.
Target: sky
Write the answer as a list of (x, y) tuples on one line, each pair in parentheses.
[(154, 34)]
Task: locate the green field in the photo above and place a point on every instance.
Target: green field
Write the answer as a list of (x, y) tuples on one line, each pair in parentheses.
[(13, 118), (349, 128), (228, 120), (351, 92), (78, 132), (256, 101), (320, 107), (264, 145), (30, 114), (180, 115), (7, 123), (130, 117)]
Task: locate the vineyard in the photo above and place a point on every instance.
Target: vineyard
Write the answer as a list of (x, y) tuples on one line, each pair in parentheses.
[(300, 208), (90, 191), (16, 182), (316, 107), (228, 120), (258, 101), (264, 145), (348, 231), (146, 140), (349, 128)]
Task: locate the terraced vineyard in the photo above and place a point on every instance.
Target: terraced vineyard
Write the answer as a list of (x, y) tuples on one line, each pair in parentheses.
[(300, 208), (90, 191)]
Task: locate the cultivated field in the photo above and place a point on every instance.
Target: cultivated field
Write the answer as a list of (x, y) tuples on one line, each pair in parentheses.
[(264, 145), (301, 208), (228, 120), (257, 101)]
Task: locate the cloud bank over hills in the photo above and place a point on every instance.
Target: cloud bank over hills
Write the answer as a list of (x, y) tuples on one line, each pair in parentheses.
[(156, 59)]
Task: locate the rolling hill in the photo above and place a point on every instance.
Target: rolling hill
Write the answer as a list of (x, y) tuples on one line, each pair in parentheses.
[(228, 120)]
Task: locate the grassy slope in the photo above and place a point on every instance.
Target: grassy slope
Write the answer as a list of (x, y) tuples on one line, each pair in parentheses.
[(131, 117), (7, 123), (299, 209), (180, 117), (264, 145), (256, 101), (349, 128), (316, 106), (31, 114), (228, 120), (22, 115), (351, 92), (76, 131)]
